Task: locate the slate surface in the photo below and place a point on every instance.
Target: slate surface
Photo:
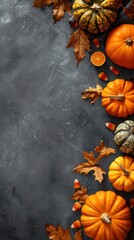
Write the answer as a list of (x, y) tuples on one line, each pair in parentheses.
[(44, 123)]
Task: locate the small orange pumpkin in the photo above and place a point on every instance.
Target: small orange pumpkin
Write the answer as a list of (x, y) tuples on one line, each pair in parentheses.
[(121, 173), (120, 45), (105, 215), (118, 98)]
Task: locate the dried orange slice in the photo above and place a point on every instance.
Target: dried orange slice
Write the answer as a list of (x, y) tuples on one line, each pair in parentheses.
[(98, 58)]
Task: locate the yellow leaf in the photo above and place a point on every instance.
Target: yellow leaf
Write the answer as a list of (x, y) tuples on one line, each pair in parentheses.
[(92, 93)]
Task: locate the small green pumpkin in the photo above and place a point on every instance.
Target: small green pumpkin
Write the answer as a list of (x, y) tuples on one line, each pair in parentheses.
[(96, 16), (124, 137)]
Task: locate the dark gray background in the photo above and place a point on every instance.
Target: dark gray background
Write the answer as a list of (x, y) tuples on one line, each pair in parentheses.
[(44, 123)]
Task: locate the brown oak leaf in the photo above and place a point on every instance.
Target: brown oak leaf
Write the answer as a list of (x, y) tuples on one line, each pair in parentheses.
[(92, 93), (80, 195), (78, 235), (129, 11), (79, 40), (103, 150), (59, 8), (57, 233), (42, 3)]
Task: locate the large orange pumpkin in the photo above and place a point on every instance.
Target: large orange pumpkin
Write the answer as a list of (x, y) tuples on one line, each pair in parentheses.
[(106, 216), (118, 98), (121, 173), (120, 45)]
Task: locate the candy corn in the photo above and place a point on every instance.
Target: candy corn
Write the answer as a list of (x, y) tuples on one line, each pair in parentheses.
[(102, 76), (76, 224), (77, 184), (131, 202), (111, 126), (114, 70), (77, 206), (96, 42)]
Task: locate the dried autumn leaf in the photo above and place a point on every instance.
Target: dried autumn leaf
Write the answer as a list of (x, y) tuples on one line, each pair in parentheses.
[(42, 3), (80, 195), (90, 158), (57, 233), (90, 165), (129, 11), (98, 173), (118, 4), (59, 8), (78, 235), (92, 93), (79, 40), (103, 150)]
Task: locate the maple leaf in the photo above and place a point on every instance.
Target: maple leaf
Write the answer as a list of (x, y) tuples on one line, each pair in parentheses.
[(103, 150), (92, 163), (92, 93), (78, 235), (42, 3), (79, 40), (80, 195), (59, 8), (98, 173), (57, 233), (129, 11)]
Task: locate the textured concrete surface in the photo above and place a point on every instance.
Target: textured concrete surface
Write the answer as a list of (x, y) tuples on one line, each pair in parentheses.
[(44, 123)]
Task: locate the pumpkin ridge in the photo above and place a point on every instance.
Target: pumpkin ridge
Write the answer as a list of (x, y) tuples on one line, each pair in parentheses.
[(123, 140), (104, 12), (92, 23), (102, 15), (122, 230), (80, 19)]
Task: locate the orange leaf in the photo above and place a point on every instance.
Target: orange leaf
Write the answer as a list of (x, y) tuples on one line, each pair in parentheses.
[(79, 40), (129, 11), (42, 3), (80, 195), (78, 236), (90, 165), (92, 93), (59, 8), (92, 162), (57, 233), (90, 158), (98, 173), (103, 150)]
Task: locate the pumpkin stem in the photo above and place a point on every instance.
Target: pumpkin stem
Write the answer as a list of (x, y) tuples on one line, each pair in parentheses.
[(129, 41), (95, 6), (125, 171), (105, 217), (117, 97)]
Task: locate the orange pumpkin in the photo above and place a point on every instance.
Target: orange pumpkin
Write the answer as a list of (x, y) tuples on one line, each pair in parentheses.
[(120, 45), (105, 215), (118, 98), (121, 173)]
